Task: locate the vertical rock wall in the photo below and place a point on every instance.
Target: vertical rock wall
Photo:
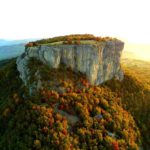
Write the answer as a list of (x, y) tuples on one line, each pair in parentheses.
[(100, 62)]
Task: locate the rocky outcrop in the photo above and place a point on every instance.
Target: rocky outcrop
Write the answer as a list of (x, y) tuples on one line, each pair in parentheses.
[(100, 62)]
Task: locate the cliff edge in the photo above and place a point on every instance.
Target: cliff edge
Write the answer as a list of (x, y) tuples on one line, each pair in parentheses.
[(99, 61)]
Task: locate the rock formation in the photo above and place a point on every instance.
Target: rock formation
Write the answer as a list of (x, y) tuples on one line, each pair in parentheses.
[(99, 62)]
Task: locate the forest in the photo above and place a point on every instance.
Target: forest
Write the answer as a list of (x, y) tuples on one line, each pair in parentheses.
[(75, 115)]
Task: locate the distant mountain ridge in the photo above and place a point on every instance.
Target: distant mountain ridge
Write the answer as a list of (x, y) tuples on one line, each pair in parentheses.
[(12, 48), (11, 51), (4, 42)]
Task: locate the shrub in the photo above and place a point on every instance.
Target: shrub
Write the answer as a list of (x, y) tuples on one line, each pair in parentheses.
[(68, 39), (30, 44), (77, 42)]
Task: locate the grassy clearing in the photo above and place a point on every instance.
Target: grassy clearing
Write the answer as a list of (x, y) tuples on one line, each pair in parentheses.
[(70, 39), (83, 42)]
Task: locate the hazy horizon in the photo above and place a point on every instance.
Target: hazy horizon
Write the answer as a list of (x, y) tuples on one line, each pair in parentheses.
[(125, 20), (131, 50), (44, 18)]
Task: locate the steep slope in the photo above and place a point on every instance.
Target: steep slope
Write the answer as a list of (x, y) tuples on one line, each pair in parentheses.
[(60, 108), (4, 62), (68, 113), (9, 81), (135, 94), (99, 60)]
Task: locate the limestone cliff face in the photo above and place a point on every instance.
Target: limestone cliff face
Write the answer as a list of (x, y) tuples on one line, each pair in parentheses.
[(100, 62)]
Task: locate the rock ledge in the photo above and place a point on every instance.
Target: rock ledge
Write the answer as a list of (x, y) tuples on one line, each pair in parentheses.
[(100, 62)]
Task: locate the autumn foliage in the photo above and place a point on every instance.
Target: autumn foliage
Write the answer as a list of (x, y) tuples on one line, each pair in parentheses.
[(69, 39), (67, 113)]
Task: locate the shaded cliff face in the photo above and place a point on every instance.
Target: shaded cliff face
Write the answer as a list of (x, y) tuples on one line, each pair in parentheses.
[(99, 62)]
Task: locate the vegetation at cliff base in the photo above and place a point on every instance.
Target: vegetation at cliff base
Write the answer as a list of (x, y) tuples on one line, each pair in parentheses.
[(135, 94), (4, 62), (9, 81), (67, 114)]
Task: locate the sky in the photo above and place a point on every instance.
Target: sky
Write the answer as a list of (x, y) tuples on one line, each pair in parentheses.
[(128, 20)]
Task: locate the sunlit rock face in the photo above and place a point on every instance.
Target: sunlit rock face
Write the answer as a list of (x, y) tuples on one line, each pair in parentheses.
[(100, 62)]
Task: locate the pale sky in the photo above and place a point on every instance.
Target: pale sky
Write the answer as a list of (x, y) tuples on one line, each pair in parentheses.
[(125, 19)]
